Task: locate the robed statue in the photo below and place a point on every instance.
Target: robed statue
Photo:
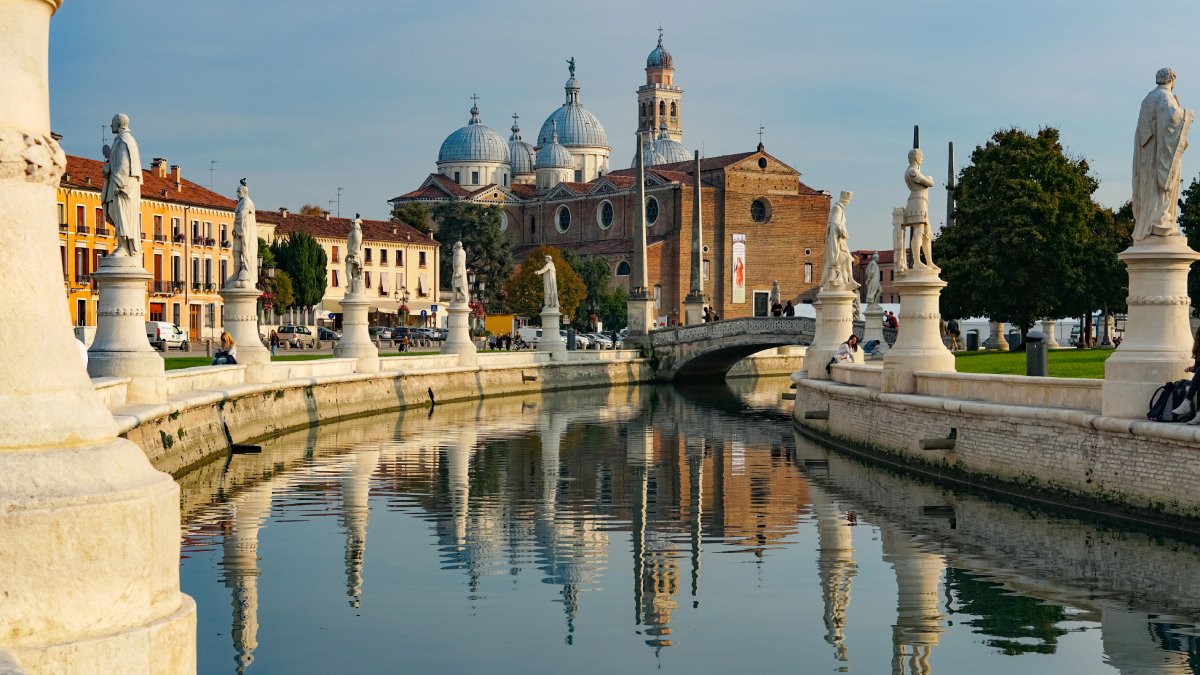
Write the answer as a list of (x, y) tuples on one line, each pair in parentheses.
[(839, 264), (1158, 147), (245, 240), (549, 284), (458, 273), (354, 268), (122, 194), (874, 282)]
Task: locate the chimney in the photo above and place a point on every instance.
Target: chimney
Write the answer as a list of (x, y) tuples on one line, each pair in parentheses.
[(87, 180), (175, 176), (283, 212), (158, 166), (395, 230), (326, 214)]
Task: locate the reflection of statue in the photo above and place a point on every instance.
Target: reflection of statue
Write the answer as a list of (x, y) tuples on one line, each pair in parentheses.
[(458, 273), (874, 285), (354, 269), (839, 273), (1158, 148), (916, 211), (245, 240), (122, 195), (549, 283)]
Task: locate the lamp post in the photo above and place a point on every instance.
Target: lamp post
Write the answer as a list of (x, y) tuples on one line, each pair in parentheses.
[(401, 295)]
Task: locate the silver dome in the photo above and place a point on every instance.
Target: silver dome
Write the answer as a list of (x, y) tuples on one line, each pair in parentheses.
[(520, 153), (650, 156), (660, 57), (474, 142), (552, 155), (576, 124), (670, 151)]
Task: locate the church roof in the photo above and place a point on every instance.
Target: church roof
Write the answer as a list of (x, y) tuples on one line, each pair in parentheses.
[(474, 142), (660, 57), (577, 126), (88, 174), (436, 186)]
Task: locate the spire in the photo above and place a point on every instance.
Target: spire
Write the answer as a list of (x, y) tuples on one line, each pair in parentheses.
[(572, 86), (475, 109), (516, 130)]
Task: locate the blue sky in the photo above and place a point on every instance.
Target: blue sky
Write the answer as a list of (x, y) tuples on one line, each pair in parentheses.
[(304, 97)]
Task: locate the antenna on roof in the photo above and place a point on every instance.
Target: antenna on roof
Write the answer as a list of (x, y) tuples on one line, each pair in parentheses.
[(212, 163), (339, 201)]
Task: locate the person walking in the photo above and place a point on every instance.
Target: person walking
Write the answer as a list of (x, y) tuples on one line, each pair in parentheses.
[(274, 340), (954, 331), (789, 309)]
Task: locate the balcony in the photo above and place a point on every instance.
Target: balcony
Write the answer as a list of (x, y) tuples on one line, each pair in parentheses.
[(82, 229), (226, 244), (160, 287), (103, 232), (178, 238), (209, 241), (83, 279), (197, 241), (160, 238), (63, 227)]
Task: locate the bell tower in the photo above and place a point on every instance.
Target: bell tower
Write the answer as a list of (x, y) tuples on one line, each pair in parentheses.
[(659, 99)]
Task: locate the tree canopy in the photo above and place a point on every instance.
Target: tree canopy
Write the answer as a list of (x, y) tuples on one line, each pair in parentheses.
[(1026, 236), (525, 293), (413, 214), (304, 261), (489, 255), (311, 210), (596, 275), (1189, 221)]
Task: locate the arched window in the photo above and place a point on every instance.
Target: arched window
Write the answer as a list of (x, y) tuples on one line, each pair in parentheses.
[(673, 112), (662, 108), (622, 269), (604, 215), (563, 218), (532, 224)]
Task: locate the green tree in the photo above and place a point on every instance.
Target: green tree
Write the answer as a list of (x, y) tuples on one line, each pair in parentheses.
[(595, 274), (311, 210), (489, 254), (614, 311), (304, 261), (1189, 220), (525, 292), (1021, 231), (413, 214)]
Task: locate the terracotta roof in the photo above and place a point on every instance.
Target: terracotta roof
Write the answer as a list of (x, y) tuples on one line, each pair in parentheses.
[(81, 169), (675, 170), (338, 228), (523, 190), (885, 255), (435, 187)]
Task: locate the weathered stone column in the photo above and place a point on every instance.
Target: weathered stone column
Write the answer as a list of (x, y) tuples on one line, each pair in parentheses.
[(240, 319), (1157, 345), (356, 339), (873, 330), (552, 341), (996, 336), (1048, 326), (458, 334), (121, 348), (835, 323), (919, 343), (89, 531), (693, 304)]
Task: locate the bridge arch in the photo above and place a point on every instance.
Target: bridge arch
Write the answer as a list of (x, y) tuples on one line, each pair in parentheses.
[(707, 351)]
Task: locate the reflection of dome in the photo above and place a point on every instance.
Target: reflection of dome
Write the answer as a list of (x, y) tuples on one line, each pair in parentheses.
[(474, 142), (660, 57), (520, 153), (576, 124), (552, 153)]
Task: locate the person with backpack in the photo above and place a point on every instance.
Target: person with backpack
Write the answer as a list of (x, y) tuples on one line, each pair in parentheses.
[(1187, 407), (954, 331)]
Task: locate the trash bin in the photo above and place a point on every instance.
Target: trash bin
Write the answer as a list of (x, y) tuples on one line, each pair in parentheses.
[(1014, 340), (1036, 353), (571, 339), (973, 340)]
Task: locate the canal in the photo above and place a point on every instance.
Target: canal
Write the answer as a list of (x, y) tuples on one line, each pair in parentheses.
[(685, 530)]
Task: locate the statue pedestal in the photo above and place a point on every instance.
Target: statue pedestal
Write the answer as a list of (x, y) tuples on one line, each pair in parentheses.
[(919, 343), (458, 334), (551, 341), (996, 337), (121, 348), (1158, 343), (640, 311), (356, 339), (835, 323), (873, 330), (1048, 330), (693, 309), (240, 319)]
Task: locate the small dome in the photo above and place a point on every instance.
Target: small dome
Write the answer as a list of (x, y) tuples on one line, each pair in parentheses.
[(520, 153), (650, 156), (660, 57), (670, 151), (474, 142), (553, 155), (577, 126)]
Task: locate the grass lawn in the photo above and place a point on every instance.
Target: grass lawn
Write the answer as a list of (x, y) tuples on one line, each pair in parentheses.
[(1085, 363)]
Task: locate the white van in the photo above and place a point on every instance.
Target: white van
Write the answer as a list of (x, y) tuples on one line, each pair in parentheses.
[(163, 335), (532, 335)]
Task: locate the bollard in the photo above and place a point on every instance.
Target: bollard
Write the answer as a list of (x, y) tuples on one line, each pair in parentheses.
[(1036, 358), (972, 344)]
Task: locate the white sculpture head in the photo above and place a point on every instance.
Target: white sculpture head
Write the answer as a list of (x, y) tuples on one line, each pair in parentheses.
[(356, 224), (1165, 76), (845, 197), (875, 257), (915, 157), (457, 246), (549, 259), (242, 190), (120, 122)]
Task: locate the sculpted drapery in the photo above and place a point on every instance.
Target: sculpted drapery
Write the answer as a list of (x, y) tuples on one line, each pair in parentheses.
[(1159, 143), (122, 194)]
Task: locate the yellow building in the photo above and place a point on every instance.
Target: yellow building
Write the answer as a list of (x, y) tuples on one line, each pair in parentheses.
[(186, 245)]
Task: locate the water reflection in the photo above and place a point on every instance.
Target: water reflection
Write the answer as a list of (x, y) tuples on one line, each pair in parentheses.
[(599, 495)]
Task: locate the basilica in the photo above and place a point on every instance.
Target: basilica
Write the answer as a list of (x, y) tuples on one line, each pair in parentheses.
[(761, 224)]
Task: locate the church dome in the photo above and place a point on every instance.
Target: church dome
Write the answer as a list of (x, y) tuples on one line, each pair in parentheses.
[(474, 142), (650, 156), (660, 57), (671, 151), (520, 153), (552, 154), (576, 124)]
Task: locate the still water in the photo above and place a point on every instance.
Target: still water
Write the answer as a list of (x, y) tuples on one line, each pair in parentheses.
[(651, 529)]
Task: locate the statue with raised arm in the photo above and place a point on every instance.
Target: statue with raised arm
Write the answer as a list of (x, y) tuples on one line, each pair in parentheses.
[(916, 211), (1158, 147), (354, 268), (571, 65), (122, 194), (549, 283), (839, 264), (874, 283), (458, 273), (245, 240)]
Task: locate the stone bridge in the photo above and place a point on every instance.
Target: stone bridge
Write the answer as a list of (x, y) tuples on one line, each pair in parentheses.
[(708, 351)]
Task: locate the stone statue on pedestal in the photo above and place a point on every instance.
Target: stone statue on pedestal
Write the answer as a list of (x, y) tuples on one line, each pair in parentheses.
[(549, 284), (776, 294), (354, 268), (122, 194), (245, 240), (874, 285), (839, 264), (916, 211), (1158, 147), (458, 276)]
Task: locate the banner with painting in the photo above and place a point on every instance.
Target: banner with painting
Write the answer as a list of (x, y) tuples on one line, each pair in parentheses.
[(739, 269)]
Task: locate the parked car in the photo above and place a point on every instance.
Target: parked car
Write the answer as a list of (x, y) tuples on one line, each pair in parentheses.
[(430, 334), (581, 340), (297, 336), (324, 333), (382, 332), (164, 335), (601, 339)]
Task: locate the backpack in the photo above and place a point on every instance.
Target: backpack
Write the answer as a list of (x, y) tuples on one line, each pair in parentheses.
[(1165, 399)]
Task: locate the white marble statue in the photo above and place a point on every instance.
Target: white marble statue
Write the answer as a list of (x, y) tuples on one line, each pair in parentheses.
[(354, 268), (458, 273), (776, 294), (916, 211), (122, 195), (245, 241), (1158, 147), (839, 264), (549, 284), (874, 283)]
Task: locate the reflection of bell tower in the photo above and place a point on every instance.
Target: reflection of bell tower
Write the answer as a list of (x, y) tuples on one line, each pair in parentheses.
[(1130, 646), (835, 566), (918, 625), (655, 573), (249, 510), (356, 493), (659, 99)]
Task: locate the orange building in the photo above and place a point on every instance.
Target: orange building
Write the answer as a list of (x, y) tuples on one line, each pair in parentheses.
[(186, 245)]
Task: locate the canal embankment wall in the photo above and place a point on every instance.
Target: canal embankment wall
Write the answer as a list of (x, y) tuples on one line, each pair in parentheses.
[(1042, 438)]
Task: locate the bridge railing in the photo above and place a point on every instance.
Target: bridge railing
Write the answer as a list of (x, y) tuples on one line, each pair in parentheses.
[(799, 326)]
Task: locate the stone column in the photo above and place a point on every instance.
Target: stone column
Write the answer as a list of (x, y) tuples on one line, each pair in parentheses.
[(121, 348), (241, 322), (1048, 326), (552, 341), (1158, 343), (919, 343), (356, 339), (89, 531), (873, 330), (693, 304), (640, 306), (835, 322), (458, 334), (996, 336)]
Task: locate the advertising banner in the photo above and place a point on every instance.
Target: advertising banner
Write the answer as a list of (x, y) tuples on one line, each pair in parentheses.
[(739, 269)]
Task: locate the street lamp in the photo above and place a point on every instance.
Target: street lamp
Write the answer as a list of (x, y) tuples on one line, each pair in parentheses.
[(401, 295)]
